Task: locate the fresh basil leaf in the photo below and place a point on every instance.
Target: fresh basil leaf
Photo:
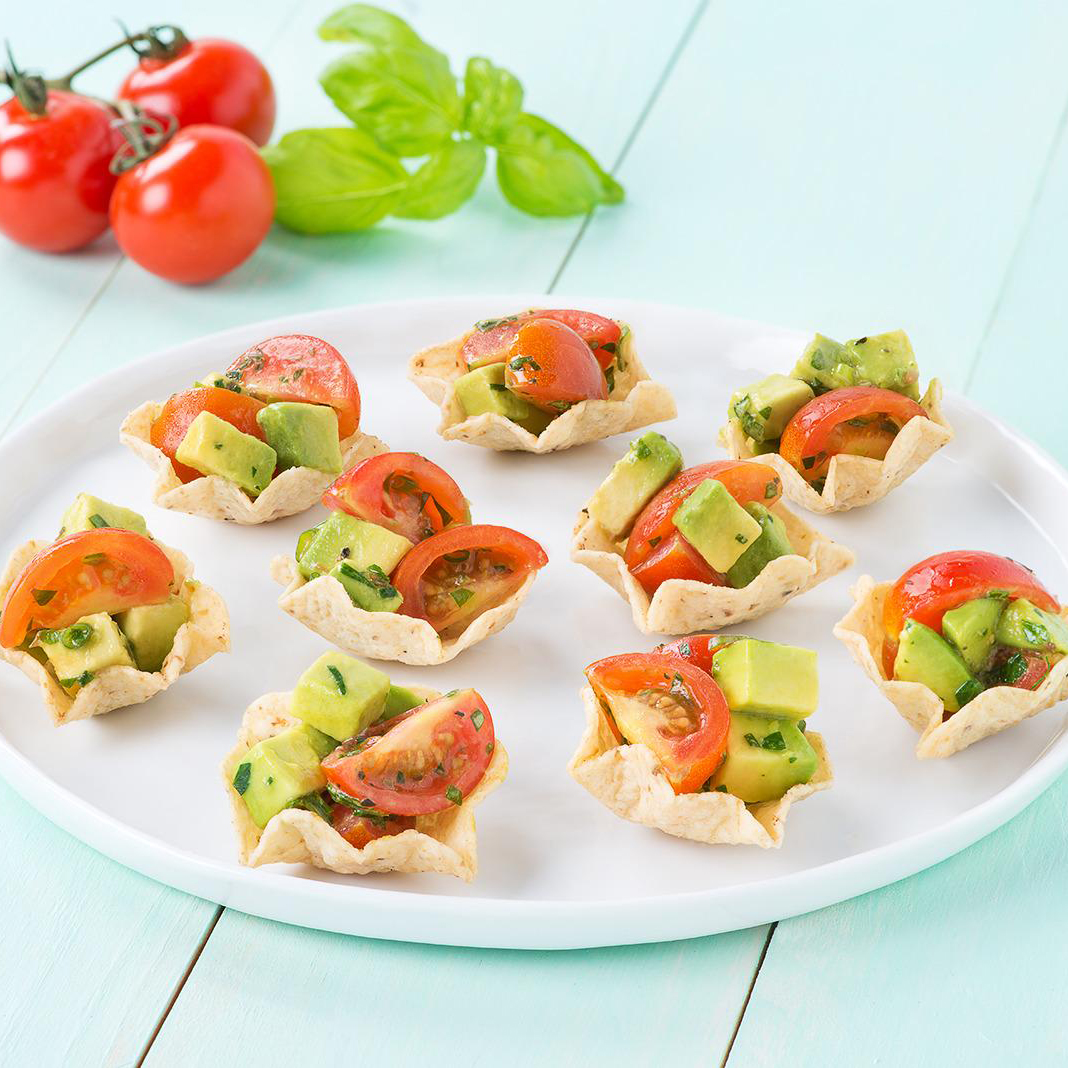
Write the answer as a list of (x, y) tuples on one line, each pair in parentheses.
[(333, 180), (493, 98), (370, 25), (543, 172), (404, 98), (447, 179)]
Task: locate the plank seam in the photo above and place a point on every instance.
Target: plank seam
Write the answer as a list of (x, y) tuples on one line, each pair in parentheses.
[(749, 994)]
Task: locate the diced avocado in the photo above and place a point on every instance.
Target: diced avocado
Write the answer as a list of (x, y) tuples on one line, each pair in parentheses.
[(767, 678), (923, 655), (220, 380), (649, 463), (883, 360), (88, 512), (716, 525), (765, 757), (213, 446), (483, 390), (340, 695), (398, 700), (1024, 625), (79, 653), (278, 770), (763, 409), (344, 537), (303, 435), (150, 630), (772, 543), (369, 589), (971, 628)]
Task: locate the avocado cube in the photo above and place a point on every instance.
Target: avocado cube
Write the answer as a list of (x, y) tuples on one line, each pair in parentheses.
[(767, 678), (483, 391), (359, 543), (649, 464), (78, 653), (883, 360), (1024, 625), (88, 512), (213, 446), (716, 525), (765, 757), (772, 543), (972, 627), (398, 700), (763, 409), (303, 435), (340, 695), (370, 589), (278, 770), (924, 656), (150, 630)]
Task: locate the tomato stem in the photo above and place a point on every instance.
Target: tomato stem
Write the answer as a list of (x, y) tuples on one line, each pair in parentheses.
[(143, 133)]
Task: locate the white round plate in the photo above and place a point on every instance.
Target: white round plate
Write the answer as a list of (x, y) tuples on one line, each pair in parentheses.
[(556, 869)]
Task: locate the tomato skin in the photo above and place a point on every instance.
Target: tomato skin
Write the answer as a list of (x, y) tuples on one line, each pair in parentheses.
[(299, 367), (550, 366), (674, 558), (698, 649), (170, 426), (689, 758), (370, 491), (54, 179), (359, 830), (196, 209), (134, 571), (211, 81), (481, 347)]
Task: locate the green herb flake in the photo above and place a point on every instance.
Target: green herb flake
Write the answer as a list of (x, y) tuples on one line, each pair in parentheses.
[(42, 597), (76, 635), (49, 637), (242, 777), (489, 747), (753, 740), (641, 450), (461, 597), (741, 539), (774, 742), (94, 558), (498, 387), (801, 725), (722, 789), (808, 462), (524, 361), (968, 691), (1013, 669), (771, 489), (339, 679), (98, 520), (454, 795), (477, 719), (610, 378), (313, 802), (1035, 633)]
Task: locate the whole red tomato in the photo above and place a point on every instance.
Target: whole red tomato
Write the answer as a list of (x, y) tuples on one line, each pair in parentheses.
[(196, 208), (54, 178), (209, 80)]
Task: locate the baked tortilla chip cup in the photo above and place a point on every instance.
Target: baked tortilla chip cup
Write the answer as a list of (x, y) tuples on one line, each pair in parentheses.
[(444, 842), (681, 606), (629, 780), (636, 401), (994, 710), (853, 481), (206, 633), (291, 491), (323, 606)]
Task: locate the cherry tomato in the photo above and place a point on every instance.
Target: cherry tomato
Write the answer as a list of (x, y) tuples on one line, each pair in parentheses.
[(490, 341), (550, 366), (456, 575), (211, 81), (170, 426), (1024, 669), (744, 480), (299, 367), (674, 558), (197, 208), (699, 649), (857, 420), (427, 762), (670, 705), (54, 179), (102, 570), (358, 830), (401, 491)]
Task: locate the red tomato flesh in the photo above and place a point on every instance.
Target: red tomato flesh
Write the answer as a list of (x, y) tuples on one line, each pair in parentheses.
[(698, 649), (674, 558), (490, 341), (550, 366), (358, 830)]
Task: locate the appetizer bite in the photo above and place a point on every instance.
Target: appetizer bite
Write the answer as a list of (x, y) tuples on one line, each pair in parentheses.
[(539, 381), (964, 644), (105, 616), (397, 571), (705, 738), (352, 773), (700, 547), (258, 441), (846, 426)]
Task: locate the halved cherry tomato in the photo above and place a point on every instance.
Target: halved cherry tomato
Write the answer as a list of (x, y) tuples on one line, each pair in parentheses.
[(856, 420), (550, 366), (699, 649), (102, 570), (427, 762), (297, 367), (401, 491), (674, 558), (358, 830), (670, 705), (170, 426), (490, 341), (456, 575), (1023, 669), (744, 480)]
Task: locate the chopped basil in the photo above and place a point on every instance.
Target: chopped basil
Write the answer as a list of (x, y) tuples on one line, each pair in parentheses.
[(774, 741), (98, 520), (722, 789), (1035, 633), (753, 740), (524, 361), (454, 795), (49, 637), (685, 649), (808, 462), (368, 811), (241, 779), (609, 346), (801, 725), (641, 450), (339, 679), (498, 387), (1013, 669), (560, 406), (459, 557), (95, 558), (489, 747), (77, 634), (219, 445), (740, 538), (42, 597), (461, 597), (492, 324), (477, 719), (610, 378), (312, 802), (968, 691), (765, 413), (771, 489)]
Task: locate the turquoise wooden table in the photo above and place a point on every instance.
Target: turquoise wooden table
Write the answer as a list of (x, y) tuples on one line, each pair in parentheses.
[(846, 166)]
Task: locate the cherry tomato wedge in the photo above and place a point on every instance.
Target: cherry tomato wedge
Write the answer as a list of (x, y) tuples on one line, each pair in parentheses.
[(402, 491), (698, 649), (1023, 669), (170, 426), (427, 762), (858, 420), (550, 366), (670, 705), (490, 341), (674, 558), (744, 480), (102, 570), (358, 830), (297, 367)]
